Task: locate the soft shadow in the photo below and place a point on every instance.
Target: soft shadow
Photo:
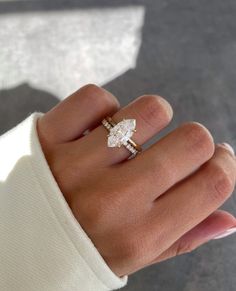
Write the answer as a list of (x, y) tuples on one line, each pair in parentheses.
[(26, 6), (19, 102)]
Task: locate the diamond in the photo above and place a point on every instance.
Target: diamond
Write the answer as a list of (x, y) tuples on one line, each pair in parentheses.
[(121, 132)]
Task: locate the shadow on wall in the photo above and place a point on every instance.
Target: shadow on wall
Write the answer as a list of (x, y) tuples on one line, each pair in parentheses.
[(182, 57), (19, 102)]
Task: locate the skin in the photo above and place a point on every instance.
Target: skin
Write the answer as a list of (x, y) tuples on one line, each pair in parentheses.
[(137, 212)]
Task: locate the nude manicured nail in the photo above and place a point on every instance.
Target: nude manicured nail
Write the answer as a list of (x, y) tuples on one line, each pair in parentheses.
[(229, 147), (226, 233)]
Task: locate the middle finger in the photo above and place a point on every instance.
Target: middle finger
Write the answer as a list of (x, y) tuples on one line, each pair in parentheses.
[(169, 160)]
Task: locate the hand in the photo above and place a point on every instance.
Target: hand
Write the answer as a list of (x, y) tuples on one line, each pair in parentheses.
[(140, 211)]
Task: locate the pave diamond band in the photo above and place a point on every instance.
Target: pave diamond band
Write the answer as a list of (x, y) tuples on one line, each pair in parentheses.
[(121, 133)]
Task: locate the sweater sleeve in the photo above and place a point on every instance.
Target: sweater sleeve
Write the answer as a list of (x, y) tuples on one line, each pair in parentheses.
[(42, 245)]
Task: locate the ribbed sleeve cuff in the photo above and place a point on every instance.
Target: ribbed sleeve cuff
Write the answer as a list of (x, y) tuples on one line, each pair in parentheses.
[(70, 259)]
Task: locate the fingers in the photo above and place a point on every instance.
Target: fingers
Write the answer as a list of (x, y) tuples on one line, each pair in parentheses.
[(171, 159), (190, 202), (82, 110), (218, 222), (152, 113)]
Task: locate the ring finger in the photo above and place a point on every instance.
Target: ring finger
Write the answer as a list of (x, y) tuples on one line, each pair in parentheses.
[(152, 113)]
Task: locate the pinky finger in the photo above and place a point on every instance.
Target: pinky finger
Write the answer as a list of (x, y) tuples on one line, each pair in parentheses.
[(219, 224)]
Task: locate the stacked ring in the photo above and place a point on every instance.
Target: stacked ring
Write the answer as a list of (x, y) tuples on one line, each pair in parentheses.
[(121, 133)]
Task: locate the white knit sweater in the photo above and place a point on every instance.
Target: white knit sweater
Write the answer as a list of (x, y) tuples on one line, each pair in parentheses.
[(42, 246)]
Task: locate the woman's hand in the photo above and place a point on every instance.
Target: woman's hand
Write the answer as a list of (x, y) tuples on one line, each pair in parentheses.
[(140, 211)]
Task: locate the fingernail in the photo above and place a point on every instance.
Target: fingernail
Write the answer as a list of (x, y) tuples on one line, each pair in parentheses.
[(226, 233), (229, 147)]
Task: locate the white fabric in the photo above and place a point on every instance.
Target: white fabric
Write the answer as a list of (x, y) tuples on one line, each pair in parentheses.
[(42, 246)]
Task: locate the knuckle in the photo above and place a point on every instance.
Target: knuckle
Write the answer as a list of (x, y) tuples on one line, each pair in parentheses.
[(104, 97), (197, 136), (222, 182), (154, 108), (91, 92), (100, 96), (91, 88)]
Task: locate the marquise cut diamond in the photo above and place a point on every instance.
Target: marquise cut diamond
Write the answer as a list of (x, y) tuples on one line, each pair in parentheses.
[(121, 132)]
